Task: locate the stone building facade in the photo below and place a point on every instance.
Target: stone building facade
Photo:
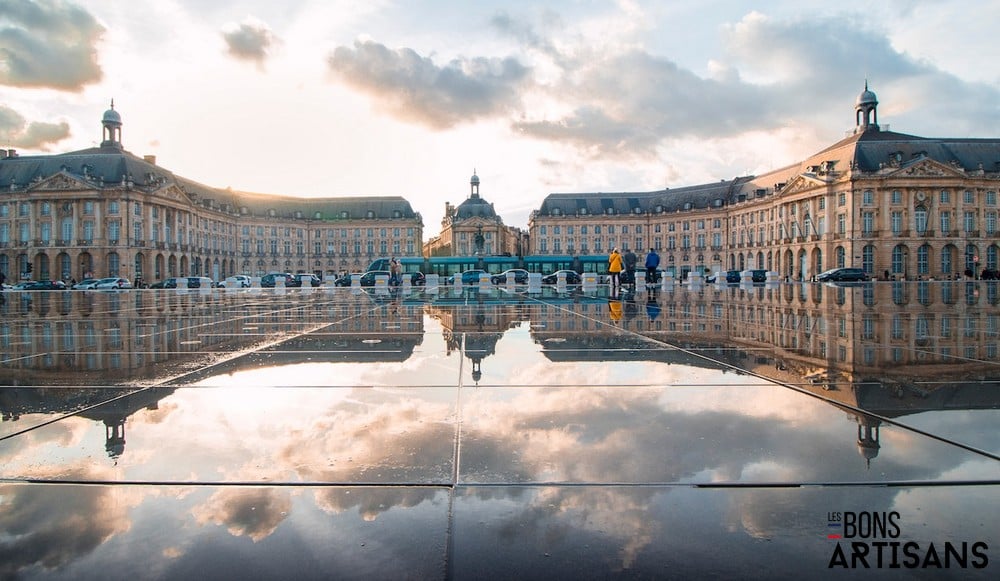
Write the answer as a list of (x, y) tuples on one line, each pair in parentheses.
[(898, 205), (106, 212), (473, 228)]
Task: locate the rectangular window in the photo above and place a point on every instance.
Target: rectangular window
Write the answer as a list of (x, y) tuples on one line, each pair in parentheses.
[(543, 230), (841, 223), (897, 222), (945, 197), (868, 198), (945, 223), (969, 197), (842, 199), (897, 197), (991, 198), (991, 223), (113, 207), (969, 221)]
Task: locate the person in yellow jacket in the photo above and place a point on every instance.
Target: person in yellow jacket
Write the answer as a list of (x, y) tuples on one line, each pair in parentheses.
[(615, 268)]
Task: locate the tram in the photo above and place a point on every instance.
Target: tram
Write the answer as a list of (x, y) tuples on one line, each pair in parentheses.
[(545, 264)]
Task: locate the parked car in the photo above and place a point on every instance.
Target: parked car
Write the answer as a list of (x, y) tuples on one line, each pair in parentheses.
[(842, 275), (85, 284), (368, 278), (308, 279), (733, 277), (758, 275), (113, 282), (159, 284), (267, 281), (33, 285), (572, 277), (187, 282), (345, 280), (467, 277), (515, 275), (235, 281)]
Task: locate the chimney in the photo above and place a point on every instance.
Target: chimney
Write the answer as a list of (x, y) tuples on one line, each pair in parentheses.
[(11, 153), (149, 159)]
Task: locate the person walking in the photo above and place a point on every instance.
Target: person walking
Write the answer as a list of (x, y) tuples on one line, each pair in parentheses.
[(394, 272), (630, 260), (652, 261), (615, 269)]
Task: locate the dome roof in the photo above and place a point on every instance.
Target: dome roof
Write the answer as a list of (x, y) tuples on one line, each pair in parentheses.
[(866, 97), (475, 180), (111, 116), (475, 207)]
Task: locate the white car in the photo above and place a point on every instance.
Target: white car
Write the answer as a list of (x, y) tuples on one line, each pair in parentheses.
[(113, 283), (236, 281), (86, 284)]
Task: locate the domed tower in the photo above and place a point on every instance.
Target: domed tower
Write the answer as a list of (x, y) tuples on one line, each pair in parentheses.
[(112, 123), (474, 185), (866, 111), (868, 445)]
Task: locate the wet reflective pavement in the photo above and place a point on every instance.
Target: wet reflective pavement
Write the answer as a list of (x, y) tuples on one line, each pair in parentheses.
[(778, 432)]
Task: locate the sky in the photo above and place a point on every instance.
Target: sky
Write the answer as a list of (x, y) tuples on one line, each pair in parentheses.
[(409, 98)]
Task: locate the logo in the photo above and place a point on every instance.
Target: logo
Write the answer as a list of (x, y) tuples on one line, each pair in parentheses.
[(874, 540)]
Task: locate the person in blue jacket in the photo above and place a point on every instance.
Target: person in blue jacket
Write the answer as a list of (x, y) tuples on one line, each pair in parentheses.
[(652, 261)]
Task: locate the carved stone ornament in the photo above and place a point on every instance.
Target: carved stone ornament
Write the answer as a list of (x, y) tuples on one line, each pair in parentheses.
[(931, 169), (59, 182)]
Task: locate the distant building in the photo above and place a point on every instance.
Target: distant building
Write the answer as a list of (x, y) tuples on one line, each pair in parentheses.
[(910, 207), (473, 228), (106, 212)]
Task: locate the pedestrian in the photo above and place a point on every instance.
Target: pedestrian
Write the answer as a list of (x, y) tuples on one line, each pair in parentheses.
[(652, 261), (394, 278), (615, 269), (630, 260)]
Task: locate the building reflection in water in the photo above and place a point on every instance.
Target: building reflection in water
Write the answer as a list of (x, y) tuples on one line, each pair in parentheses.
[(878, 351)]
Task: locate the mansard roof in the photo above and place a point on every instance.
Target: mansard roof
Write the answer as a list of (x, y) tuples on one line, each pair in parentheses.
[(111, 167), (871, 151), (668, 200)]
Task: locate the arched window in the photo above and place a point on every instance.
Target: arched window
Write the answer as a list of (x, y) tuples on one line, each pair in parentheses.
[(947, 259), (971, 254), (924, 259), (899, 259), (868, 259)]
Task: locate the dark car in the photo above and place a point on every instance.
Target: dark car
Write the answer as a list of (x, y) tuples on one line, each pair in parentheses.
[(368, 278), (572, 277), (345, 280), (312, 279), (44, 285), (758, 275), (468, 277), (515, 275), (733, 277), (842, 275), (267, 281)]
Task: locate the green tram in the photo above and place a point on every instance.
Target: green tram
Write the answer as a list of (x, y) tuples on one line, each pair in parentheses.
[(545, 264)]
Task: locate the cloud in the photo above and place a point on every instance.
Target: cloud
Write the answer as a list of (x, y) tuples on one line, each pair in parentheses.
[(15, 129), (48, 44), (413, 88), (250, 40)]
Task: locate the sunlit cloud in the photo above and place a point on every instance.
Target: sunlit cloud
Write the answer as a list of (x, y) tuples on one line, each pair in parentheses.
[(48, 44), (412, 87), (250, 40), (17, 131)]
